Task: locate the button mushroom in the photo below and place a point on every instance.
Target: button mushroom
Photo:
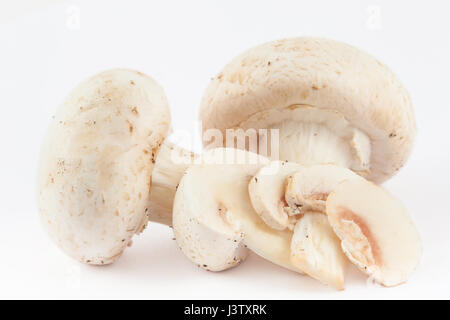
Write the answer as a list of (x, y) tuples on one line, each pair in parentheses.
[(96, 165), (331, 103)]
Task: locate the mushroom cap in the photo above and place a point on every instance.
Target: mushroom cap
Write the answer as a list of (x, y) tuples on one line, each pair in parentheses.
[(96, 162), (323, 74)]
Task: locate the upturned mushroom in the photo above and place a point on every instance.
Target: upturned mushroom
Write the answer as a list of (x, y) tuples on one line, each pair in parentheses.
[(96, 164)]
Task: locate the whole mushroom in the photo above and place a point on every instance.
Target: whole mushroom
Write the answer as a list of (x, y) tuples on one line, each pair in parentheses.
[(331, 103), (103, 152)]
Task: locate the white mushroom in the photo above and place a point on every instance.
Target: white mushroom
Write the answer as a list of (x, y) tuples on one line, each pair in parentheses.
[(96, 164), (331, 103), (315, 249), (376, 232), (213, 219)]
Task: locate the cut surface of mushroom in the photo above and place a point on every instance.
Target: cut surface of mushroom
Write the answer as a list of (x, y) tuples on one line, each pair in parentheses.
[(214, 220), (288, 193), (267, 193), (307, 189), (375, 230), (315, 249)]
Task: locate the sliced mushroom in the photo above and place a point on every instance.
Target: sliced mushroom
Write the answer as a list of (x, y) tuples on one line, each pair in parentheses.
[(213, 219), (315, 249), (267, 193), (308, 188), (282, 192), (376, 232)]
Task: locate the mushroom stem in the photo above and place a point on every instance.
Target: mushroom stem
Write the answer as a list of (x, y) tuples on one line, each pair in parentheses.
[(310, 143), (170, 165)]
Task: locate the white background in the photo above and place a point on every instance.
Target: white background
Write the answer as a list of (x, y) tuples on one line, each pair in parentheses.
[(44, 53)]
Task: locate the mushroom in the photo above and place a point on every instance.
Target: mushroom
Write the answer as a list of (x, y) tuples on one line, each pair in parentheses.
[(213, 219), (96, 163), (331, 103), (376, 233)]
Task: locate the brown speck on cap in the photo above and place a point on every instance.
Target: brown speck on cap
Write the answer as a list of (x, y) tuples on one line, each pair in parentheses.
[(130, 126)]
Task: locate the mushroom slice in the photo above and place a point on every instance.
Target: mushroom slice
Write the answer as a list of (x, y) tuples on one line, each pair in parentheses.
[(308, 188), (375, 230), (214, 220), (316, 250), (267, 190)]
